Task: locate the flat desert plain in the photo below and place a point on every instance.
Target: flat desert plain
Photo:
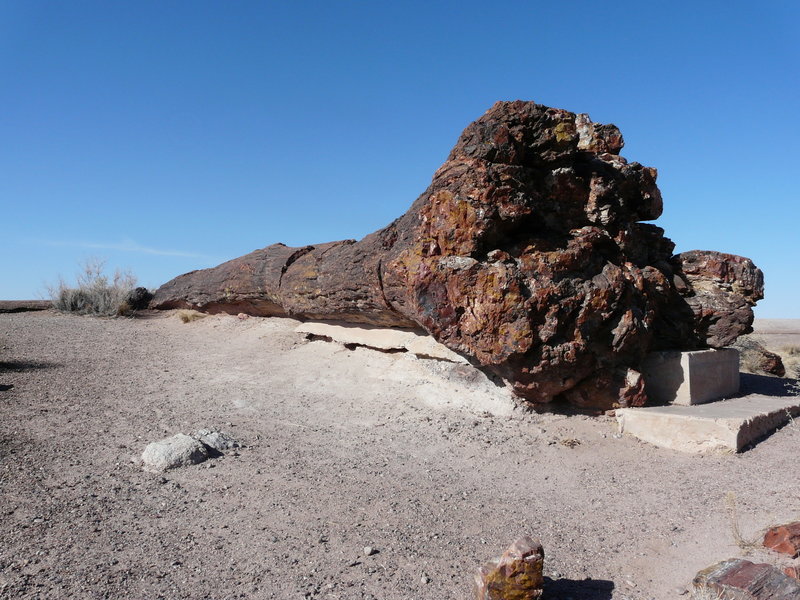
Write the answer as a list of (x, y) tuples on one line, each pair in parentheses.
[(426, 462)]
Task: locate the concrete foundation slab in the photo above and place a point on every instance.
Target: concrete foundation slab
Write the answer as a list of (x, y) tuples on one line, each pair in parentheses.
[(726, 426), (382, 338), (688, 378)]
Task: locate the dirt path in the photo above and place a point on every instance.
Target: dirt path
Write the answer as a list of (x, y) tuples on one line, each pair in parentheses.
[(426, 462)]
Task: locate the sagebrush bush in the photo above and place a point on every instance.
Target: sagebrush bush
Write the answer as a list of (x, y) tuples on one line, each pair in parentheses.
[(95, 293)]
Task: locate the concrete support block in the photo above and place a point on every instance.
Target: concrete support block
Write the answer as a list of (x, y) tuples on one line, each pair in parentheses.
[(695, 377), (726, 426)]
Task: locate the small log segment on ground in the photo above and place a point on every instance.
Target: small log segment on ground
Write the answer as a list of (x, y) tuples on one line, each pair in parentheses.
[(14, 306)]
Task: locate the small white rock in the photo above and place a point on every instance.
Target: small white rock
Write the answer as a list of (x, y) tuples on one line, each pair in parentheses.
[(178, 451)]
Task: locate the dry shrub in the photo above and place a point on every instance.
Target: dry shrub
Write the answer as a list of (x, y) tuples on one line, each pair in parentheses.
[(749, 363), (187, 316), (95, 293), (754, 357)]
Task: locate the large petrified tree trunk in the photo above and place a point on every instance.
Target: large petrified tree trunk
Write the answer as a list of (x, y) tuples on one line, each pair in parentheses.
[(526, 255)]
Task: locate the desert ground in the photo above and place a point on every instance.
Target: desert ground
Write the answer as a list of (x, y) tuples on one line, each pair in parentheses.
[(427, 462)]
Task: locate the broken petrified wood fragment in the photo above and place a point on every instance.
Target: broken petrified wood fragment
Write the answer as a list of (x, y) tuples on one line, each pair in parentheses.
[(517, 575), (526, 255), (784, 539), (740, 579)]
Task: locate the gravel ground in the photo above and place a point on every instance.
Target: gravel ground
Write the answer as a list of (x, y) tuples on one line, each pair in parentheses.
[(426, 462)]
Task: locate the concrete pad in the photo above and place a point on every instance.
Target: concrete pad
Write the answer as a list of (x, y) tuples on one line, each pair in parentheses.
[(382, 338), (688, 378), (725, 426)]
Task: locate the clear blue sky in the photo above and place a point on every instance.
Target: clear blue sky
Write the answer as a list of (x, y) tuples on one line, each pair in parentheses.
[(169, 136)]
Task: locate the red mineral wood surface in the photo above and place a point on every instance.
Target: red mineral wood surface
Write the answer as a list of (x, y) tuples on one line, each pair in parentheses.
[(527, 254)]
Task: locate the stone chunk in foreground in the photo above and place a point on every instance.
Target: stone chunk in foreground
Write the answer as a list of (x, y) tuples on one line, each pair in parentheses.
[(725, 426), (180, 450), (784, 539), (738, 579), (517, 575)]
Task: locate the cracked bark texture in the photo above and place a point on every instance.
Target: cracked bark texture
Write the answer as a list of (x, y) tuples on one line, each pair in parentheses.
[(527, 254)]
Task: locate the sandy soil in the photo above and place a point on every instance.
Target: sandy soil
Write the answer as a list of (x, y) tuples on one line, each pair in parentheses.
[(427, 462)]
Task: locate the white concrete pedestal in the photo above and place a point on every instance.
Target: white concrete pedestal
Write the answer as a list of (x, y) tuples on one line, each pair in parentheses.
[(695, 377)]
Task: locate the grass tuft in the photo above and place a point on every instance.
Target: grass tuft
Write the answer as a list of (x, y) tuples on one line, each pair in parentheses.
[(187, 316), (746, 545), (706, 594)]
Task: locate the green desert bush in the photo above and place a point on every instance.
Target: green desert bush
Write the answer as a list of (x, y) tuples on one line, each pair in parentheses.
[(95, 293)]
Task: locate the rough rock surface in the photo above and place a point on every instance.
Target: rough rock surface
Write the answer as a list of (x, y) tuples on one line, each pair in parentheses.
[(139, 298), (757, 359), (725, 287), (517, 575), (784, 539), (215, 440), (179, 450), (738, 579), (526, 255)]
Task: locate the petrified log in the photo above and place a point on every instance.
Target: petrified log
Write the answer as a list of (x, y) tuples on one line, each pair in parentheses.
[(526, 255)]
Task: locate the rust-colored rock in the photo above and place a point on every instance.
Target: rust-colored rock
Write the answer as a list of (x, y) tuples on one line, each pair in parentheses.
[(792, 571), (526, 255), (738, 579), (725, 287), (784, 539), (517, 575)]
